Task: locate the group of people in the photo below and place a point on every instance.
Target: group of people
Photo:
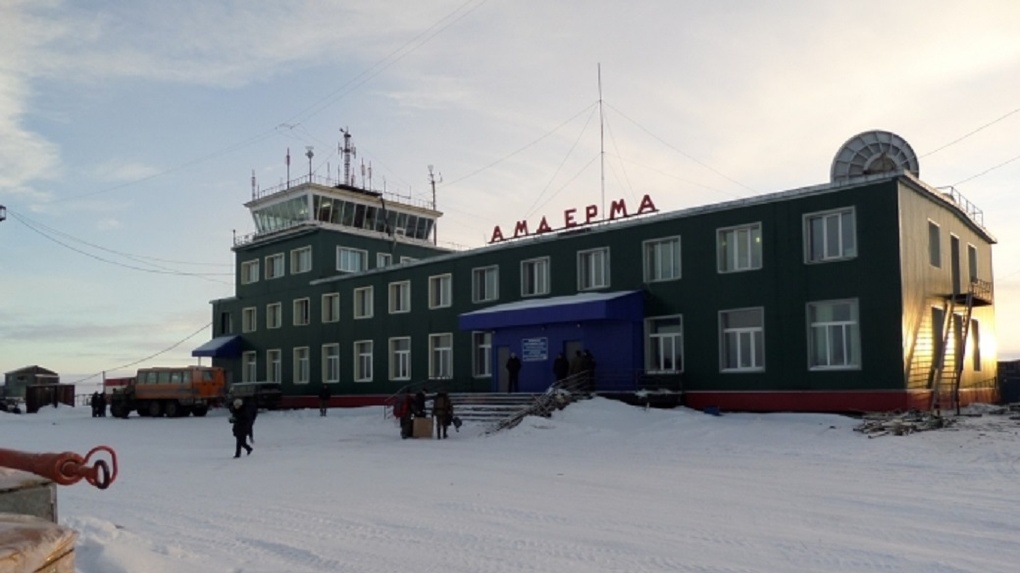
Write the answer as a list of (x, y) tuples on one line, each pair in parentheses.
[(583, 363), (242, 424), (98, 403), (407, 408)]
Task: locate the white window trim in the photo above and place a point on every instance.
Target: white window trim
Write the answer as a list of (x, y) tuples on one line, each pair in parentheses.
[(253, 324), (326, 378), (644, 259), (938, 245), (370, 300), (474, 292), (653, 368), (357, 361), (364, 259), (269, 315), (433, 338), (297, 315), (249, 366), (806, 225), (380, 257), (330, 305), (247, 273), (546, 277), (295, 257), (441, 281), (269, 265), (810, 337), (751, 267), (271, 375), (605, 270), (398, 287), (307, 362), (391, 355), (475, 373), (722, 340)]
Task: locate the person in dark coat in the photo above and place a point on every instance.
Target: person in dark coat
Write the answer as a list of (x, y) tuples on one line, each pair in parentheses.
[(94, 402), (324, 395), (442, 411), (513, 369), (241, 425), (251, 408), (402, 412), (419, 403), (561, 368), (102, 404), (588, 367)]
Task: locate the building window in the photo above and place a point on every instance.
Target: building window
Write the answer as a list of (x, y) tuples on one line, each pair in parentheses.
[(739, 248), (481, 352), (830, 236), (249, 367), (593, 269), (302, 312), (250, 272), (331, 363), (834, 339), (351, 260), (440, 291), (249, 317), (665, 344), (742, 340), (484, 284), (274, 266), (535, 277), (441, 356), (972, 262), (975, 345), (400, 358), (934, 244), (363, 302), (383, 260), (331, 307), (274, 315), (226, 323), (301, 370), (407, 260), (301, 260), (363, 361), (400, 297), (273, 365), (662, 259)]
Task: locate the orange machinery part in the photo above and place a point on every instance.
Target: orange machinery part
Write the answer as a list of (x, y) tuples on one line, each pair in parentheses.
[(65, 468)]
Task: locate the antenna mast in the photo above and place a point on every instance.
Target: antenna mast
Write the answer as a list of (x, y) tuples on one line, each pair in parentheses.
[(435, 224), (602, 145), (348, 151)]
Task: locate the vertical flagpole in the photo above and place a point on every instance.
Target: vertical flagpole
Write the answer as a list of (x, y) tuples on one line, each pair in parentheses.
[(602, 145), (288, 168)]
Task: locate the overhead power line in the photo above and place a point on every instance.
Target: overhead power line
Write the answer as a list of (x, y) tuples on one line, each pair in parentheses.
[(149, 357), (970, 133)]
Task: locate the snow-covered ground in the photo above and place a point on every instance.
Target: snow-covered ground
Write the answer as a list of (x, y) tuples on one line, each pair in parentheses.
[(600, 487)]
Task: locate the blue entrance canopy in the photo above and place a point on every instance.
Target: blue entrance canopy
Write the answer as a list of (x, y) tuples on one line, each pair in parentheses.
[(220, 347), (622, 305)]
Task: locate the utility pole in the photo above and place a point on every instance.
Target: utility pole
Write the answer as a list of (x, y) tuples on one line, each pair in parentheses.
[(309, 154), (432, 183)]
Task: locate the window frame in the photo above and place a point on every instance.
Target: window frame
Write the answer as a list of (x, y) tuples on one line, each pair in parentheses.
[(483, 273), (274, 365), (249, 366), (443, 286), (366, 296), (392, 358), (274, 315), (845, 253), (360, 367), (250, 272), (380, 257), (647, 266), (476, 352), (972, 263), (296, 258), (755, 248), (273, 261), (249, 324), (851, 362), (650, 350), (435, 353), (934, 244), (543, 263), (302, 308), (302, 365), (330, 307), (399, 293), (582, 257), (724, 347), (340, 259), (331, 363)]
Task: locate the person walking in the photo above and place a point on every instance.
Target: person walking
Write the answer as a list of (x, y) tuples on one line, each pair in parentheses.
[(588, 367), (324, 395), (561, 367), (251, 408), (240, 426), (513, 368), (442, 411)]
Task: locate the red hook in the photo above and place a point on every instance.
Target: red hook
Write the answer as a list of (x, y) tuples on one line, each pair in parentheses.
[(65, 468)]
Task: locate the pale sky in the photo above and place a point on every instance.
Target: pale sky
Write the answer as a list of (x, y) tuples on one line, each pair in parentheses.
[(130, 130)]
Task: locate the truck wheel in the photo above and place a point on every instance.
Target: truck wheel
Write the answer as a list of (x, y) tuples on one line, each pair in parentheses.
[(119, 411), (171, 409), (155, 409), (199, 411)]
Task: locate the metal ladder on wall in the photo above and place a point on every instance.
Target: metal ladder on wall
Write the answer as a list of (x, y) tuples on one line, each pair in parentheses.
[(948, 328)]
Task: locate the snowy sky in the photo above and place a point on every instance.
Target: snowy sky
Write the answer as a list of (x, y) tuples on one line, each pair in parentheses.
[(130, 130), (599, 487)]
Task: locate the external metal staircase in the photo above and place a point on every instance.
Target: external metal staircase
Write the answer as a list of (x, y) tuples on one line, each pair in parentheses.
[(955, 329)]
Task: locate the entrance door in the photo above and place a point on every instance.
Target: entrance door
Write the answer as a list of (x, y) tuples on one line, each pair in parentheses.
[(502, 355), (571, 347)]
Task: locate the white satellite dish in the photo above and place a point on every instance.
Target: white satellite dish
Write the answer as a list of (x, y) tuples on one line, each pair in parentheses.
[(873, 152)]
